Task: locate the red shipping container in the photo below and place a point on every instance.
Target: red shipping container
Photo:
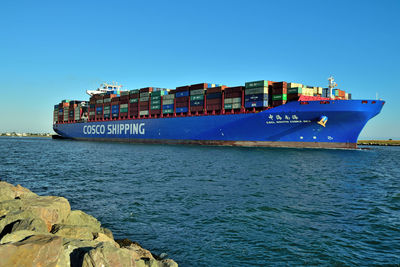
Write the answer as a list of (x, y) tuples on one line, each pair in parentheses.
[(279, 85), (196, 108), (213, 107), (218, 89), (124, 97), (155, 111), (278, 91), (133, 105), (198, 86), (233, 94), (182, 88), (115, 99), (181, 105), (183, 99), (235, 89), (146, 90), (214, 101), (134, 96)]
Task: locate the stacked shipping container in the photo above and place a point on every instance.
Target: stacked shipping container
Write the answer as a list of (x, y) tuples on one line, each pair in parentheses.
[(196, 99)]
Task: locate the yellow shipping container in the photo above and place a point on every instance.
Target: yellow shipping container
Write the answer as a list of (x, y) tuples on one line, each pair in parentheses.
[(294, 85)]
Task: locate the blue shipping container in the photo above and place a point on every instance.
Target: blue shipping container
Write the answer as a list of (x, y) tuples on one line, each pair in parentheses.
[(179, 110), (214, 95), (115, 115), (182, 94), (256, 97), (255, 104), (170, 106), (196, 103)]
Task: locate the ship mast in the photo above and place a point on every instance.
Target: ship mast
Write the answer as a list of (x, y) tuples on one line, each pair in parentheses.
[(331, 85)]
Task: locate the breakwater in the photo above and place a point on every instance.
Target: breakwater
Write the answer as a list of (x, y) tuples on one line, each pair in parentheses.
[(44, 231), (378, 143)]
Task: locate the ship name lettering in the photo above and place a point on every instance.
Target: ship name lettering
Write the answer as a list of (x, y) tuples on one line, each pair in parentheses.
[(126, 128)]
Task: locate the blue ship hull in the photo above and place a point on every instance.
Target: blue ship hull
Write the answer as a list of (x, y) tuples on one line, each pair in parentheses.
[(294, 124)]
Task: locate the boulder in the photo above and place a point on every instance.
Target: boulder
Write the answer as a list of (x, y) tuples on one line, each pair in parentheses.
[(79, 218), (72, 231), (19, 235), (50, 209), (37, 250), (21, 220), (105, 254), (8, 191), (10, 205), (73, 251), (100, 237)]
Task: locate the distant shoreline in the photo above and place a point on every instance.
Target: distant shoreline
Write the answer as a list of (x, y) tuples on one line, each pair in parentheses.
[(378, 143), (26, 135)]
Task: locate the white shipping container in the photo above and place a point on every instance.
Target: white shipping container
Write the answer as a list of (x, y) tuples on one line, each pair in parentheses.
[(237, 100), (168, 101), (143, 112), (107, 100), (228, 101), (256, 91), (197, 92), (236, 105), (167, 97)]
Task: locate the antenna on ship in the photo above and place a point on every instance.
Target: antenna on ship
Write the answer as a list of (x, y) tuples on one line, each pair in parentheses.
[(331, 85)]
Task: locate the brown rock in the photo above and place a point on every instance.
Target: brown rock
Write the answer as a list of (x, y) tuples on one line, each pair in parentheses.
[(79, 218), (37, 250), (100, 237), (8, 191), (104, 254), (72, 231), (50, 209)]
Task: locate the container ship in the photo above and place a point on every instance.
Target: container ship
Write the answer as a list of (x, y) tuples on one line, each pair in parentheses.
[(258, 114)]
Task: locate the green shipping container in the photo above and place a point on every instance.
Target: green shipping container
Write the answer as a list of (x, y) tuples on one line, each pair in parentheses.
[(279, 97), (294, 90), (159, 93), (228, 106), (155, 102), (256, 91), (123, 110), (155, 97), (197, 97), (124, 93), (167, 111), (256, 84), (155, 107), (136, 91), (133, 100)]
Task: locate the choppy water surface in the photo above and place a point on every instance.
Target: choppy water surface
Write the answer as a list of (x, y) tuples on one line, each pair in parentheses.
[(212, 206)]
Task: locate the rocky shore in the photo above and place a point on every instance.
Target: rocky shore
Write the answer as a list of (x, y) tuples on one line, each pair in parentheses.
[(378, 143), (44, 231)]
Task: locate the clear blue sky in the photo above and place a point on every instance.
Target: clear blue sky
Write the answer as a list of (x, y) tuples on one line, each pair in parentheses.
[(54, 50)]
